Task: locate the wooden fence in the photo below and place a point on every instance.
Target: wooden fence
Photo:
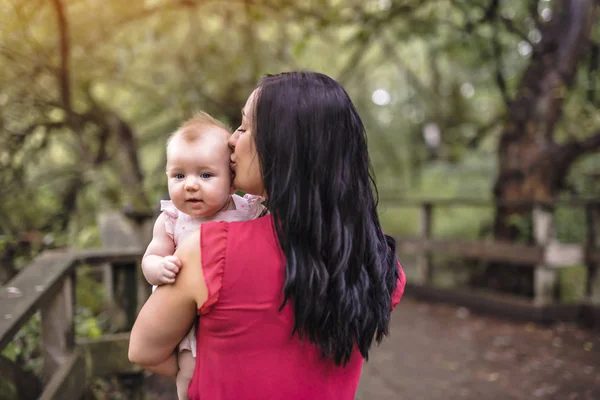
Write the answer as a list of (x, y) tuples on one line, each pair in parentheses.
[(48, 285), (546, 256)]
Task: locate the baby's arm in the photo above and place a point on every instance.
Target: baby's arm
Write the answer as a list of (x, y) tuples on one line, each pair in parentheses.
[(159, 265)]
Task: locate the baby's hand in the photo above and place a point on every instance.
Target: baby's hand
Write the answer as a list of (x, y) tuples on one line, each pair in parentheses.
[(168, 269)]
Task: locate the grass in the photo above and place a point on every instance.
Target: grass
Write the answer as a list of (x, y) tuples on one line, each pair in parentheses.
[(571, 283)]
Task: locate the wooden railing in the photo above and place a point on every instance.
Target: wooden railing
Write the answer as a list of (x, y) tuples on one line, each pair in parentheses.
[(546, 256), (48, 285)]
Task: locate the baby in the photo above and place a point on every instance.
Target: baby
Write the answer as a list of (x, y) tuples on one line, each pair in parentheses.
[(200, 188)]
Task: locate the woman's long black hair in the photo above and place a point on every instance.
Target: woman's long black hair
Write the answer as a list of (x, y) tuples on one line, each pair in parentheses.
[(341, 269)]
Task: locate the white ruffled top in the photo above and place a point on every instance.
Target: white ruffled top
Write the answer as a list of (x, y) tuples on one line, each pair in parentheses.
[(178, 224)]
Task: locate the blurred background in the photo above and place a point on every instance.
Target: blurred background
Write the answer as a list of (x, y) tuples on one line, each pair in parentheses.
[(472, 102)]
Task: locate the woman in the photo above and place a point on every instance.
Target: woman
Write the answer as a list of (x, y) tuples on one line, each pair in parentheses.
[(289, 303)]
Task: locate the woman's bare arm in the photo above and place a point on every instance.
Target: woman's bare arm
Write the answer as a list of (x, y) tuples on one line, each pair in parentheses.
[(169, 313)]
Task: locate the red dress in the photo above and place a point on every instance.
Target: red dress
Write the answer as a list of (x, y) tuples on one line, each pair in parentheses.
[(245, 348)]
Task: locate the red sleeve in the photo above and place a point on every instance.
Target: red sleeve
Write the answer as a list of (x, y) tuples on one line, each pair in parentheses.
[(213, 245), (399, 291)]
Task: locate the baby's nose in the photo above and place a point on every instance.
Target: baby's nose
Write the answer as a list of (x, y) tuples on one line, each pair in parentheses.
[(191, 183)]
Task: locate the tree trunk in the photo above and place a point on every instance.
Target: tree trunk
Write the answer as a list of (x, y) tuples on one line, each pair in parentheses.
[(531, 165)]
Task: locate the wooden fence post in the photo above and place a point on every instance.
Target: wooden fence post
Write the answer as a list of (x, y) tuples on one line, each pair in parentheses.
[(592, 289), (117, 232), (544, 278), (424, 264), (144, 227), (58, 336)]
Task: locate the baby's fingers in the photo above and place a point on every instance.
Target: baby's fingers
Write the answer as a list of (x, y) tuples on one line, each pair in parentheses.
[(167, 276), (171, 267), (174, 259)]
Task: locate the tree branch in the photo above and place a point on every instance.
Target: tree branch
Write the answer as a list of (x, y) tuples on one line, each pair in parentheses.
[(64, 72), (593, 71), (574, 149), (491, 11), (69, 201), (107, 34), (364, 39), (500, 81), (372, 27), (430, 95), (19, 137), (510, 26), (483, 131), (101, 155), (532, 6), (490, 14), (108, 119)]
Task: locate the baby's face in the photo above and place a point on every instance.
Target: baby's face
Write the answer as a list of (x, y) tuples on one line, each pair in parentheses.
[(198, 173)]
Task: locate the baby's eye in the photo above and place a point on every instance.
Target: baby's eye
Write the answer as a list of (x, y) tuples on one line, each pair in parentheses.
[(205, 175), (179, 176)]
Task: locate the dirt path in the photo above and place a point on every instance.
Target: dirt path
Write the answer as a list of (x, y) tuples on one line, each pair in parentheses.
[(444, 352)]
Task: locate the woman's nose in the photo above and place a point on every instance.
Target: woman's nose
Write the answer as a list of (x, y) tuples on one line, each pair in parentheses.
[(232, 141)]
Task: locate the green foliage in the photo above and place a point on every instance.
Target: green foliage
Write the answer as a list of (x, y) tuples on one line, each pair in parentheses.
[(25, 347), (469, 179), (144, 66), (90, 291), (86, 325), (570, 224), (7, 389), (572, 283), (154, 63), (524, 225), (399, 220)]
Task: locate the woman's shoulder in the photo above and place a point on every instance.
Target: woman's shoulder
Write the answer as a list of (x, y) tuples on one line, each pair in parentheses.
[(218, 237), (214, 237), (257, 229), (248, 207)]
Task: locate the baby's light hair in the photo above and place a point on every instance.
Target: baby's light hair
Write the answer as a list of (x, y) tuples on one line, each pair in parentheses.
[(193, 128)]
